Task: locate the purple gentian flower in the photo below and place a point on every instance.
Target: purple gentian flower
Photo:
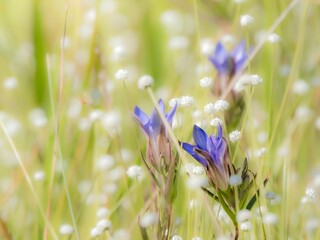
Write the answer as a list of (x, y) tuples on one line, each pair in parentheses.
[(212, 152), (229, 64), (158, 145)]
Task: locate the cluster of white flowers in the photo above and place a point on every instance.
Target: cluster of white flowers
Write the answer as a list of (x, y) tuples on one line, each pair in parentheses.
[(218, 106), (184, 101)]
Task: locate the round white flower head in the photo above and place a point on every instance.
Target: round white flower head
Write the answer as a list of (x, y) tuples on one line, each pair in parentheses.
[(197, 181), (10, 83), (215, 122), (96, 232), (300, 87), (104, 224), (95, 115), (148, 219), (66, 229), (134, 172), (209, 108), (121, 75), (221, 105), (243, 215), (102, 212), (186, 101), (38, 117), (126, 155), (39, 175), (246, 226), (312, 224), (111, 121), (145, 81), (90, 15), (311, 193), (255, 79), (235, 136), (303, 113), (188, 168), (178, 42), (197, 170), (206, 82), (207, 46), (245, 20), (270, 218), (174, 101), (273, 38), (235, 180), (105, 162), (247, 80)]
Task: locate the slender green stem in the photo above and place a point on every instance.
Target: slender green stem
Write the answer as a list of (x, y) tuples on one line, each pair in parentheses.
[(29, 182)]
